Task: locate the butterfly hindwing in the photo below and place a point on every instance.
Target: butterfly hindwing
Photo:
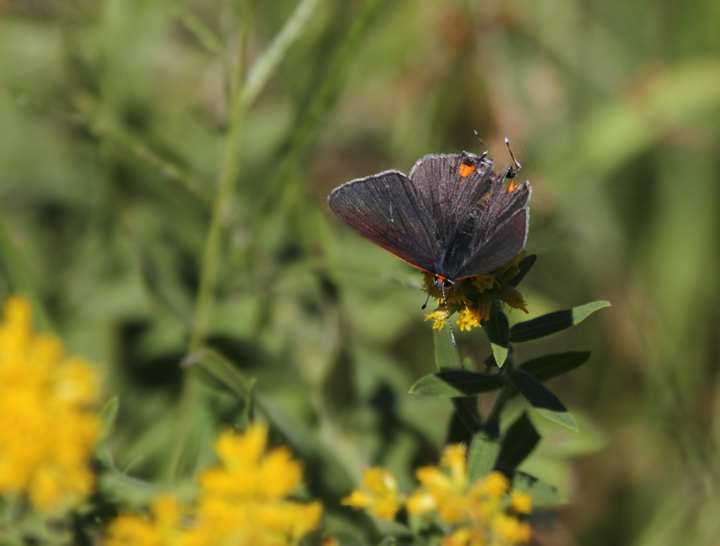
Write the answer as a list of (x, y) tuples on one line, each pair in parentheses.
[(501, 246)]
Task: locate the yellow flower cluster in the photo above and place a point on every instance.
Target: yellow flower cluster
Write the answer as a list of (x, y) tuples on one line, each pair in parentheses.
[(243, 502), (473, 297), (47, 434), (379, 494), (481, 513)]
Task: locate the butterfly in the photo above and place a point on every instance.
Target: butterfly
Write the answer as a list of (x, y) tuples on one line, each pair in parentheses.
[(452, 216)]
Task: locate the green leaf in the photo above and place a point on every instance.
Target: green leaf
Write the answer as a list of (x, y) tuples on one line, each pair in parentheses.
[(579, 314), (547, 404), (525, 264), (446, 355), (519, 441), (481, 457), (221, 369), (536, 393), (18, 277), (497, 330), (107, 415), (500, 354), (549, 366), (470, 420), (454, 383), (274, 54), (544, 494), (563, 418), (554, 322)]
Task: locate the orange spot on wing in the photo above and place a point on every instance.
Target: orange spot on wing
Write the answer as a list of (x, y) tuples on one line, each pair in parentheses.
[(512, 186), (466, 170)]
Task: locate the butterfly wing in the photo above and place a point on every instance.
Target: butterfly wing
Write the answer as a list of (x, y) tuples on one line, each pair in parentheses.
[(452, 187), (501, 247), (478, 223), (388, 210)]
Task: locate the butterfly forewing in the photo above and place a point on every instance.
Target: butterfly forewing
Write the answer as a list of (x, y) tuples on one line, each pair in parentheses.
[(387, 210), (450, 196)]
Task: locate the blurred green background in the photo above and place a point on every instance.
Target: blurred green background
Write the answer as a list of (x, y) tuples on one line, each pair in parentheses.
[(117, 127)]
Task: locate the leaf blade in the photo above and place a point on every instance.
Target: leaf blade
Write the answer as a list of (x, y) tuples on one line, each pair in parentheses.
[(546, 367), (497, 329), (552, 323), (482, 456), (544, 494), (542, 399), (454, 383), (525, 264), (519, 442)]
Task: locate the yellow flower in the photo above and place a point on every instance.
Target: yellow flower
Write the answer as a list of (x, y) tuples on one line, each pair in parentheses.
[(48, 434), (513, 298), (243, 501), (454, 459), (471, 318), (484, 282), (378, 493), (464, 537), (509, 530), (495, 485), (135, 530), (476, 514), (473, 297), (439, 316), (475, 511), (521, 502)]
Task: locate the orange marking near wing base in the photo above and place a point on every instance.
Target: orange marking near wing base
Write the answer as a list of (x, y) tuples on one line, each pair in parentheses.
[(466, 170), (512, 186)]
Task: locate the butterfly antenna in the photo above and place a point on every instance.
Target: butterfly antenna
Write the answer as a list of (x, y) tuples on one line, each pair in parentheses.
[(512, 171), (426, 301), (447, 311), (485, 153)]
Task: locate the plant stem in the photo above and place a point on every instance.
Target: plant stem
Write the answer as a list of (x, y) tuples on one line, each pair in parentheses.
[(19, 277), (271, 57), (223, 201), (492, 423), (213, 245)]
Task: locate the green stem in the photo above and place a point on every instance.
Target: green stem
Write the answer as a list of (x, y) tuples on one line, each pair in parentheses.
[(205, 35), (276, 51), (19, 278), (223, 202), (213, 245), (499, 405), (492, 423)]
